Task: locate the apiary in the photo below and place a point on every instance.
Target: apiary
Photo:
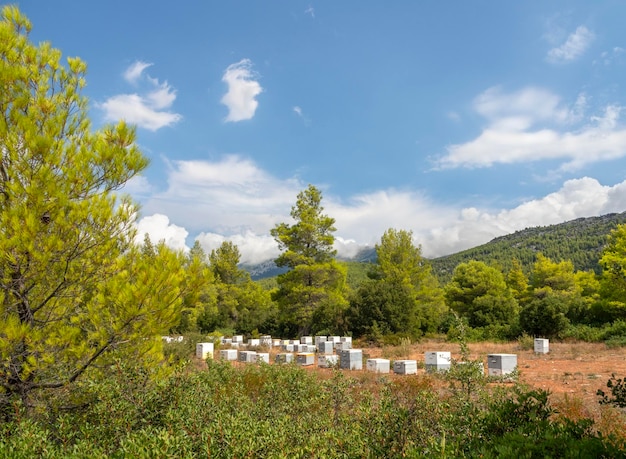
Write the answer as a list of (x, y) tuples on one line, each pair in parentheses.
[(204, 350), (228, 354), (501, 364), (437, 361), (247, 356), (542, 346), (284, 357), (351, 359), (405, 367), (377, 365), (327, 361)]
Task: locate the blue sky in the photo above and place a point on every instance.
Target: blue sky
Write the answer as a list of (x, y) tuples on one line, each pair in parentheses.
[(458, 121)]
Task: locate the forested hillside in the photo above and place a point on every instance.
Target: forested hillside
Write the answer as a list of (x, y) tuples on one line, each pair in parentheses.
[(581, 241)]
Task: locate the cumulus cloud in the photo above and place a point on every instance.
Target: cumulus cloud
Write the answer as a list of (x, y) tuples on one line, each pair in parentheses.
[(240, 99), (159, 228), (533, 124), (148, 109), (233, 200), (576, 44)]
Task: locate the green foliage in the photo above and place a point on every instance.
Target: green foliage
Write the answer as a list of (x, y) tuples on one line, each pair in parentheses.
[(617, 387), (283, 411), (401, 296), (545, 317), (479, 293), (310, 295), (581, 241)]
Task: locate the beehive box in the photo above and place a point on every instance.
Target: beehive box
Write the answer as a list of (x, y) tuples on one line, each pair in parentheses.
[(437, 361), (305, 358), (262, 357), (253, 342), (351, 359), (501, 364), (326, 347), (327, 361), (306, 340), (334, 339), (405, 367), (247, 356), (228, 354), (204, 350), (320, 339), (542, 346), (238, 339), (377, 365), (343, 345), (284, 357), (289, 347), (227, 341), (266, 340), (346, 339), (276, 342)]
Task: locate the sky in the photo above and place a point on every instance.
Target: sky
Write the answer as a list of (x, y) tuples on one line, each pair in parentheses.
[(457, 121)]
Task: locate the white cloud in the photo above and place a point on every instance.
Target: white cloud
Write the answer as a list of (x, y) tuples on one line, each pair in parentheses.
[(159, 228), (134, 72), (574, 47), (242, 91), (310, 11), (234, 200), (297, 110), (533, 125), (147, 110)]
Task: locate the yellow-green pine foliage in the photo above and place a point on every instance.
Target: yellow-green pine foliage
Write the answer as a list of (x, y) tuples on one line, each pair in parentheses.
[(73, 289)]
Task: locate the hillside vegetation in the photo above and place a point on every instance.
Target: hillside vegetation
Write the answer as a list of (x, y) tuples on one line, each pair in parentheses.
[(580, 241)]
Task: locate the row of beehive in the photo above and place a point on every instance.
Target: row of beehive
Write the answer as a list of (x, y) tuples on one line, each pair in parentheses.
[(321, 344), (352, 359)]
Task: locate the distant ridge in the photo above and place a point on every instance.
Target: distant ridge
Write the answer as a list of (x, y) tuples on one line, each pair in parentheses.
[(581, 241)]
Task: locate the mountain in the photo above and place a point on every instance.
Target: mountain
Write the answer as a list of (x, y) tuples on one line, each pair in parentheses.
[(581, 241)]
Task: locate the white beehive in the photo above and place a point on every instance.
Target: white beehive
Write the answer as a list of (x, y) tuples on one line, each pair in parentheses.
[(254, 342), (306, 340), (262, 357), (305, 358), (377, 365), (228, 354), (326, 347), (276, 343), (266, 341), (351, 359), (310, 348), (334, 339), (437, 361), (289, 347), (320, 339), (501, 364), (346, 339), (238, 339), (327, 361), (405, 367), (542, 346), (227, 341), (284, 357), (247, 356), (204, 350), (343, 345)]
